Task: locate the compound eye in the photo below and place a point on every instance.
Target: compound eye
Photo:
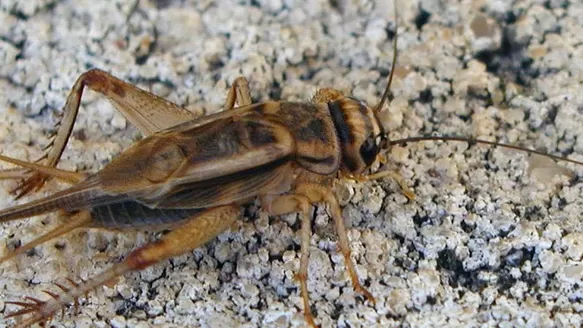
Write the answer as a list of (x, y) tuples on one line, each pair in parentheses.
[(369, 150)]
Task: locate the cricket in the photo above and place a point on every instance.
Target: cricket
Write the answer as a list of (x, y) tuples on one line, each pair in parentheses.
[(192, 177)]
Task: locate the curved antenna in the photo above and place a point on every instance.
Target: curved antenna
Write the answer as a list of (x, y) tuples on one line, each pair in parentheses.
[(480, 141), (388, 88)]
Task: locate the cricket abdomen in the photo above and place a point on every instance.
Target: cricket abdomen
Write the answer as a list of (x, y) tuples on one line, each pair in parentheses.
[(134, 215)]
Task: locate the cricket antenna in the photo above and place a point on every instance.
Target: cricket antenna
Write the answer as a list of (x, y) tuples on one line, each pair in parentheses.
[(388, 88), (472, 141)]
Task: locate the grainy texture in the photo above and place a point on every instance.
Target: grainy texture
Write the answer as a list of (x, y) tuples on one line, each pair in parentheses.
[(494, 238)]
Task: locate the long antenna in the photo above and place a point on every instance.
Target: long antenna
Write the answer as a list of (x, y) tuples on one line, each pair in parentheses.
[(388, 88), (388, 143), (479, 141)]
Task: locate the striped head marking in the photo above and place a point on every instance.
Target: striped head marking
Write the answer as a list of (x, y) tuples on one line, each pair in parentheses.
[(360, 132)]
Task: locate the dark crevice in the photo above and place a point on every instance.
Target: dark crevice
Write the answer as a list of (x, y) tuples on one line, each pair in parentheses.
[(422, 18)]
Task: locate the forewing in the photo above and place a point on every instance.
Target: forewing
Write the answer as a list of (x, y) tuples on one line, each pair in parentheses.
[(274, 178), (203, 159)]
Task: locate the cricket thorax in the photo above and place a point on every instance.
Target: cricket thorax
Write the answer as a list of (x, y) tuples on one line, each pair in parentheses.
[(358, 132), (317, 145)]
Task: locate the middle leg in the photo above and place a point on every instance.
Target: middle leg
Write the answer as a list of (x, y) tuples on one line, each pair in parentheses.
[(288, 204), (305, 195), (319, 194), (326, 95), (238, 93)]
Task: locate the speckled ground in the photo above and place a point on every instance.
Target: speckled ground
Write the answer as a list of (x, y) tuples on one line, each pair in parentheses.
[(494, 238)]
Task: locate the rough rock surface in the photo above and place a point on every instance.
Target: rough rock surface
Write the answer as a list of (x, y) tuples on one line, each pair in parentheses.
[(494, 237)]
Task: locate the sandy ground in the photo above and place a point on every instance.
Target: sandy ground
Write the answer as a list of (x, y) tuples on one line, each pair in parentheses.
[(493, 239)]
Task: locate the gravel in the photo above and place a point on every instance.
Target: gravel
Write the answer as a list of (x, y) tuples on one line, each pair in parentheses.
[(494, 237)]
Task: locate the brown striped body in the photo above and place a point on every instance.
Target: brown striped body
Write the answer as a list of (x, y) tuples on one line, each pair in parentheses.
[(258, 150), (192, 175), (225, 158)]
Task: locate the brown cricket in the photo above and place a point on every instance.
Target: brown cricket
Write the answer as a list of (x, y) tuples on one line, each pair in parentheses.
[(192, 175)]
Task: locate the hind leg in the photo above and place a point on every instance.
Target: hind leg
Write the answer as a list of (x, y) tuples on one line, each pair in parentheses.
[(79, 220), (148, 112), (68, 176), (195, 232)]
